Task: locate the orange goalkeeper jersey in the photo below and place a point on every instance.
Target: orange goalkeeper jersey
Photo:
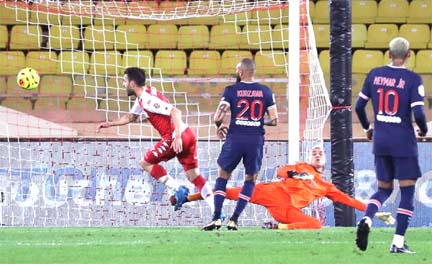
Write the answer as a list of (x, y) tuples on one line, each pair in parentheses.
[(302, 192)]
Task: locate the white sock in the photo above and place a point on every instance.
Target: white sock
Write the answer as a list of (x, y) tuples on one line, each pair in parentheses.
[(207, 194), (368, 221), (398, 240), (169, 182)]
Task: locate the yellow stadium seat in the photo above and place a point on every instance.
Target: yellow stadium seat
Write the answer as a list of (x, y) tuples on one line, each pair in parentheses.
[(88, 85), (130, 37), (359, 35), (11, 62), (280, 37), (76, 62), (392, 11), (77, 12), (311, 9), (54, 92), (225, 36), (230, 59), (204, 62), (417, 35), (25, 37), (171, 62), (203, 8), (256, 37), (427, 82), (46, 13), (357, 81), (171, 7), (322, 13), (193, 37), (324, 59), (239, 19), (110, 13), (364, 60), (63, 37), (420, 11), (4, 37), (162, 36), (105, 63), (99, 38), (44, 62), (364, 11), (116, 104), (18, 98), (140, 8), (379, 35), (322, 35), (424, 62), (271, 63), (138, 58), (13, 13), (271, 16), (411, 63)]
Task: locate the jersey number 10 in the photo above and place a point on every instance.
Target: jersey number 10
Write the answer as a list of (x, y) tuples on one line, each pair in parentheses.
[(384, 101)]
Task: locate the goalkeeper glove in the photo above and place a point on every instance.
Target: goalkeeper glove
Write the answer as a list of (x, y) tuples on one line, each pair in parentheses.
[(386, 217)]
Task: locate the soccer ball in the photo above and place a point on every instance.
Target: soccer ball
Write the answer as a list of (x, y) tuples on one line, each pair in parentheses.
[(28, 79)]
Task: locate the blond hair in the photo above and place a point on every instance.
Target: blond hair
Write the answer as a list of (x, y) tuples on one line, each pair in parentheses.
[(399, 48)]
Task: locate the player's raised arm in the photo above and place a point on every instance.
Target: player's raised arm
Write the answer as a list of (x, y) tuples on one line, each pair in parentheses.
[(123, 120)]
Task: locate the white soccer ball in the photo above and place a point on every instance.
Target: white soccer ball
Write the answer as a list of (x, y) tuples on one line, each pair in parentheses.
[(28, 78)]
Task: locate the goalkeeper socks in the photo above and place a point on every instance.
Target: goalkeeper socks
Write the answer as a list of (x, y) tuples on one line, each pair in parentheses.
[(376, 201), (219, 196), (405, 210), (243, 198)]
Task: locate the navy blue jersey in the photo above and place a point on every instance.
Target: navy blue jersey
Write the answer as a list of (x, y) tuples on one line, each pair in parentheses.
[(393, 91), (248, 103)]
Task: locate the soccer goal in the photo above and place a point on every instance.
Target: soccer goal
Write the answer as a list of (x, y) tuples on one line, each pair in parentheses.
[(189, 50)]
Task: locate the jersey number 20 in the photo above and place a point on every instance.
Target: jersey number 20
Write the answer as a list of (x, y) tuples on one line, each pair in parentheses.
[(254, 106)]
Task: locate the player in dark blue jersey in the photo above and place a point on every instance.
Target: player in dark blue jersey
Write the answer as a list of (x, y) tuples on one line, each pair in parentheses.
[(396, 93), (249, 102)]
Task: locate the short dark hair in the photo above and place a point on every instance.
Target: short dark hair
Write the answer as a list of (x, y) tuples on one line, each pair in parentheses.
[(136, 74)]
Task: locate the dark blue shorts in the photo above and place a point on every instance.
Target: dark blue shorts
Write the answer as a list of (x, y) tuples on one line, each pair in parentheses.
[(250, 149), (400, 168)]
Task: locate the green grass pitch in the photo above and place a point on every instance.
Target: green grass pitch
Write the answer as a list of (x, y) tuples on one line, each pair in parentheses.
[(162, 245)]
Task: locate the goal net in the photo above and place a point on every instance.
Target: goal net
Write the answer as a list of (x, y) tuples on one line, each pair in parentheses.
[(62, 173)]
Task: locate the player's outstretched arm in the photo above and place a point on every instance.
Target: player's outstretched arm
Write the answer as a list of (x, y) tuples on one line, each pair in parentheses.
[(336, 195), (123, 120)]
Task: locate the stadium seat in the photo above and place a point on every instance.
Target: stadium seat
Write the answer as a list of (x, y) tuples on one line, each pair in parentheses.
[(76, 62), (280, 35), (256, 37), (392, 11), (324, 59), (420, 11), (427, 83), (162, 36), (116, 104), (364, 60), (322, 35), (271, 63), (424, 62), (379, 35), (138, 58), (139, 8), (99, 38), (4, 37), (230, 59), (63, 37), (411, 61), (270, 16), (203, 7), (130, 37), (417, 35), (9, 15), (171, 62), (239, 19), (18, 98), (105, 63), (193, 37), (2, 88), (54, 92), (359, 35), (364, 11), (71, 9), (90, 86), (321, 13), (225, 36), (11, 62), (46, 13), (25, 37), (170, 7), (110, 13), (204, 62), (357, 81), (44, 62)]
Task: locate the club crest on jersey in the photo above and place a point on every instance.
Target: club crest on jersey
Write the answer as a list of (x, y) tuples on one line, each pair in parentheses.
[(156, 105)]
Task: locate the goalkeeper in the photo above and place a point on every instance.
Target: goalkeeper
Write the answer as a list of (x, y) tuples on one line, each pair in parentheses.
[(299, 186)]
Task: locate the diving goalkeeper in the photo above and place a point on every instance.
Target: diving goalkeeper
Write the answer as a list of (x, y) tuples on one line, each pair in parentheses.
[(299, 186)]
